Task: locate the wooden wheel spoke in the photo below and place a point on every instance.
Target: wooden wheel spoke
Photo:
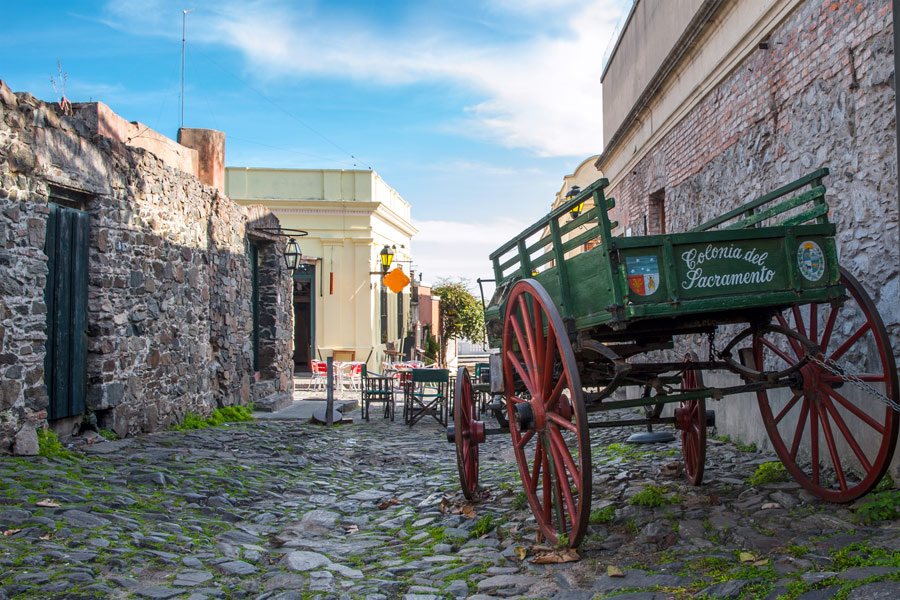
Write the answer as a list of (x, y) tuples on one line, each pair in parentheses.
[(564, 423), (786, 408), (540, 340), (526, 437), (814, 441), (514, 361), (771, 346), (829, 329), (798, 432), (562, 479), (798, 350), (549, 357), (813, 322), (526, 355), (868, 377), (547, 485), (862, 416), (529, 331), (832, 448), (798, 320), (559, 444), (850, 341), (552, 399), (850, 439), (537, 466)]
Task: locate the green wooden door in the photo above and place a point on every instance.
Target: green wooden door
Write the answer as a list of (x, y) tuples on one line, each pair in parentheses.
[(68, 236)]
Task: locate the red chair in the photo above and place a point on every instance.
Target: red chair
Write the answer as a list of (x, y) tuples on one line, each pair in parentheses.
[(319, 375)]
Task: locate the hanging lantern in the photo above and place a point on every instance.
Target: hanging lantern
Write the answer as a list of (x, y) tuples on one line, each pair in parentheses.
[(292, 255), (575, 210)]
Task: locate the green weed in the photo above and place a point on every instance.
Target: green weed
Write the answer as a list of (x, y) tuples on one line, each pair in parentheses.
[(219, 416), (49, 446), (652, 497), (769, 472), (602, 515), (484, 525)]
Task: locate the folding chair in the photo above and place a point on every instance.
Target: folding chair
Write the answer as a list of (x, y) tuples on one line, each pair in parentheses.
[(427, 394), (376, 389)]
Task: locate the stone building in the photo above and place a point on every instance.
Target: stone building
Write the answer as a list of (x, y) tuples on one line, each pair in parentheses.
[(131, 292), (343, 309), (735, 98)]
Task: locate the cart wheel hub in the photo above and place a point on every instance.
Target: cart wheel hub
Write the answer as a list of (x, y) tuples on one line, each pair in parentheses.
[(476, 434), (525, 416), (812, 382)]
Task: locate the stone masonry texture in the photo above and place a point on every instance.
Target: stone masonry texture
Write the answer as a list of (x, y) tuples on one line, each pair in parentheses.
[(821, 95), (169, 291)]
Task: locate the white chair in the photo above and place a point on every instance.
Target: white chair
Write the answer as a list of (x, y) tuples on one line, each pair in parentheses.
[(351, 374)]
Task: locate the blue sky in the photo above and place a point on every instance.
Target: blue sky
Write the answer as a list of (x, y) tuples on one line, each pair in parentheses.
[(472, 111)]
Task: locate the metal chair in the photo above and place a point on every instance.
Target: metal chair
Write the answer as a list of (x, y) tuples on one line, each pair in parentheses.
[(427, 394), (319, 379), (351, 375), (376, 388)]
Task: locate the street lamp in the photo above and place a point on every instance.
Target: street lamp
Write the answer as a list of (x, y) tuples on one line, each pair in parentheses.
[(292, 255), (387, 256), (575, 210)]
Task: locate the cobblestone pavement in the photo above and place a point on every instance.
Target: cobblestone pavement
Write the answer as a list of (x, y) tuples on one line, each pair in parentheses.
[(284, 510)]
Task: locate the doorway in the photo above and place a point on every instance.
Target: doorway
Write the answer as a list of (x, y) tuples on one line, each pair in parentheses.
[(304, 317)]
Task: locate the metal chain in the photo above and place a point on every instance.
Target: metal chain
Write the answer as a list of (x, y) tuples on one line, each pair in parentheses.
[(712, 344), (836, 369)]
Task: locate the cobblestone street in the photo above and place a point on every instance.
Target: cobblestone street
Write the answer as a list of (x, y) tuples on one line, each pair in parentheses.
[(285, 509)]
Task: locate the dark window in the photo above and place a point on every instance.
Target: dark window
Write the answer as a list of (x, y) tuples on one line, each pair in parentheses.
[(656, 213), (384, 314), (254, 301)]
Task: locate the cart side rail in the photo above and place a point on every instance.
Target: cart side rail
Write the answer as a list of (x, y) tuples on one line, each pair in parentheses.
[(774, 204), (517, 258)]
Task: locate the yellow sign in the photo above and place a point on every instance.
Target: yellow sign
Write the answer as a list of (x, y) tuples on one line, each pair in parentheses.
[(396, 280)]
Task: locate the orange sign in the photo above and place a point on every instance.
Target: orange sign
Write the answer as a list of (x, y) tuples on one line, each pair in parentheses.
[(396, 280)]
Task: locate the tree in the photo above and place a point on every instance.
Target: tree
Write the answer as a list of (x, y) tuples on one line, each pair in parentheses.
[(462, 315)]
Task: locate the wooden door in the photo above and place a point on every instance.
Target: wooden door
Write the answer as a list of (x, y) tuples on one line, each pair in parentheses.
[(65, 364)]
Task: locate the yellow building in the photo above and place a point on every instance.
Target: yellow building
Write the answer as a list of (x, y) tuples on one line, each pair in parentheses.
[(341, 307)]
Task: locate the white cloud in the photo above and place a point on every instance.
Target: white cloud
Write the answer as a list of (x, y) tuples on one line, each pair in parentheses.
[(541, 93), (450, 249)]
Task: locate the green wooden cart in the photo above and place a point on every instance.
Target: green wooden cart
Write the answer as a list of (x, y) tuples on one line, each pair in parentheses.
[(573, 325)]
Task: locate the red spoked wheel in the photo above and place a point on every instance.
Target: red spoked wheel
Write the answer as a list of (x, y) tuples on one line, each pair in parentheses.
[(547, 418), (690, 419), (835, 432), (469, 432)]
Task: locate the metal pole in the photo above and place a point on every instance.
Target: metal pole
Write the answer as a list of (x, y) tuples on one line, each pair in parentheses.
[(183, 28), (329, 388)]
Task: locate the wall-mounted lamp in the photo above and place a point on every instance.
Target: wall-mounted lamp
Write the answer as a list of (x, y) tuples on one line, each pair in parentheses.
[(292, 254), (575, 210), (387, 257)]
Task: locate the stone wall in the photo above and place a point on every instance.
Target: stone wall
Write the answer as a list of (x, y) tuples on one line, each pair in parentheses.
[(821, 95), (169, 287)]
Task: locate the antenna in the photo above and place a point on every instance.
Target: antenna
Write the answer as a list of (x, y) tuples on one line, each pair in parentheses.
[(183, 25)]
